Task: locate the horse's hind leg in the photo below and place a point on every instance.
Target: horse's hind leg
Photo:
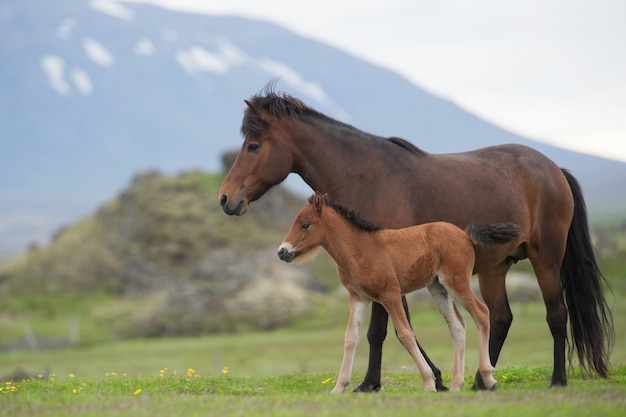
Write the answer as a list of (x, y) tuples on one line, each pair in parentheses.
[(393, 305), (351, 340), (456, 326), (548, 277)]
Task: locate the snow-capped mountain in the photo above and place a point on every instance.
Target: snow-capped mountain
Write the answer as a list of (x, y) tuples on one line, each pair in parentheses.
[(92, 92)]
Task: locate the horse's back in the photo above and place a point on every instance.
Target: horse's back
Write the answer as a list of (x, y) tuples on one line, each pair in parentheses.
[(504, 183)]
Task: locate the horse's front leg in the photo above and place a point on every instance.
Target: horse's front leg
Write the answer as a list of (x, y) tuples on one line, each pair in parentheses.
[(351, 340), (376, 334)]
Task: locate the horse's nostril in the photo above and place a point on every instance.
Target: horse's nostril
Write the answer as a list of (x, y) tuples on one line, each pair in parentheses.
[(223, 200)]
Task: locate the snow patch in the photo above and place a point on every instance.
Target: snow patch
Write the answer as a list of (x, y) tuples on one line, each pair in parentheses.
[(297, 81), (54, 67), (65, 29), (144, 47), (97, 52), (112, 8), (230, 53), (197, 58), (170, 35), (82, 81)]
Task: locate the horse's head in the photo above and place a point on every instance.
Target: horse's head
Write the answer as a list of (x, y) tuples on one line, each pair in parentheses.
[(307, 232), (263, 161)]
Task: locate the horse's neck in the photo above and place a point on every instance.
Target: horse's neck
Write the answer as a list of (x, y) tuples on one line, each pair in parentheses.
[(326, 153)]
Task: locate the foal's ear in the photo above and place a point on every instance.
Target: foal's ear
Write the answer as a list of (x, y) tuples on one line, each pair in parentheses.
[(318, 201)]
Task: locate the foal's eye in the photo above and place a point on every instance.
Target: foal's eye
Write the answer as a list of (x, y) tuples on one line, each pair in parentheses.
[(253, 147), (306, 226)]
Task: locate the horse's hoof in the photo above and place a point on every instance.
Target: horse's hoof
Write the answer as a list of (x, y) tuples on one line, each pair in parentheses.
[(558, 382), (440, 387), (367, 388), (494, 387), (478, 386)]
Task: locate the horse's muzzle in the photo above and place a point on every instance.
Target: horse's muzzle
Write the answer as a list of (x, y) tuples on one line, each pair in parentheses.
[(240, 209)]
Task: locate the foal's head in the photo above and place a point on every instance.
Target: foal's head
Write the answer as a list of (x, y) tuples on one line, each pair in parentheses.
[(307, 232), (314, 225)]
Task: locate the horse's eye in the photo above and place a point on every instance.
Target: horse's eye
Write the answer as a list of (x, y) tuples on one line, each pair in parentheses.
[(253, 147), (305, 226)]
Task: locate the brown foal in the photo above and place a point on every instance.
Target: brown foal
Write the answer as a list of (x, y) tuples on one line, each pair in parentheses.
[(382, 265)]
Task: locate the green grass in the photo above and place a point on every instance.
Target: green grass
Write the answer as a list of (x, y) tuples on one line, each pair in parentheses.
[(315, 345), (521, 391), (290, 372)]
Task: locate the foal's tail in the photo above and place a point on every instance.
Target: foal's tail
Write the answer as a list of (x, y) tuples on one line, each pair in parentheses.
[(591, 320), (493, 234)]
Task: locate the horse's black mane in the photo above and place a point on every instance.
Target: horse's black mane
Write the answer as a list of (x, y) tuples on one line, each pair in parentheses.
[(283, 105), (276, 104), (407, 145), (350, 215)]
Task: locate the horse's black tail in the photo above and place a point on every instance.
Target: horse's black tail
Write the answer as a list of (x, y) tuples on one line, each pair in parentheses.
[(492, 234), (591, 320)]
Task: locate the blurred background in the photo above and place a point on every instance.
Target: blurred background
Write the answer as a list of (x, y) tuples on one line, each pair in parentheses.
[(118, 121)]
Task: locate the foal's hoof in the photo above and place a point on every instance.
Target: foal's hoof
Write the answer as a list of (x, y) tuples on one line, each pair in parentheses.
[(367, 388), (494, 387)]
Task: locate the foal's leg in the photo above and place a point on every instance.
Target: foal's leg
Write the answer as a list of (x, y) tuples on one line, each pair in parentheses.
[(393, 304), (456, 327), (351, 340), (376, 334), (458, 286)]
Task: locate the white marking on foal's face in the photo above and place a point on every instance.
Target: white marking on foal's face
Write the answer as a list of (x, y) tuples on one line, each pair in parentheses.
[(285, 252)]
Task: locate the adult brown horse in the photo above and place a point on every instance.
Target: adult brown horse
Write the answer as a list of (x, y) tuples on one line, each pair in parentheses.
[(395, 184)]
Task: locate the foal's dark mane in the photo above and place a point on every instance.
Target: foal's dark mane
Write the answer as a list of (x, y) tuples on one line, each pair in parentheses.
[(350, 215), (282, 105)]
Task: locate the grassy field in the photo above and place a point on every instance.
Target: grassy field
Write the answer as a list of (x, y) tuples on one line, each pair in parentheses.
[(290, 372), (521, 393), (286, 372)]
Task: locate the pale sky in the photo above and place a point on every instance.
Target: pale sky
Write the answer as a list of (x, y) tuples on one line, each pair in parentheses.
[(551, 70)]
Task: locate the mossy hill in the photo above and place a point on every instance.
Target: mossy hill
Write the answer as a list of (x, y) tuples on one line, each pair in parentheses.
[(165, 240)]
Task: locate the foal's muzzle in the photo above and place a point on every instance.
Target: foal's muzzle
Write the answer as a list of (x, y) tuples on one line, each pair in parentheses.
[(285, 254)]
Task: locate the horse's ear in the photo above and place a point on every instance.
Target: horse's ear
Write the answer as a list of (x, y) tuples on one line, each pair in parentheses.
[(262, 114), (250, 105), (319, 201)]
